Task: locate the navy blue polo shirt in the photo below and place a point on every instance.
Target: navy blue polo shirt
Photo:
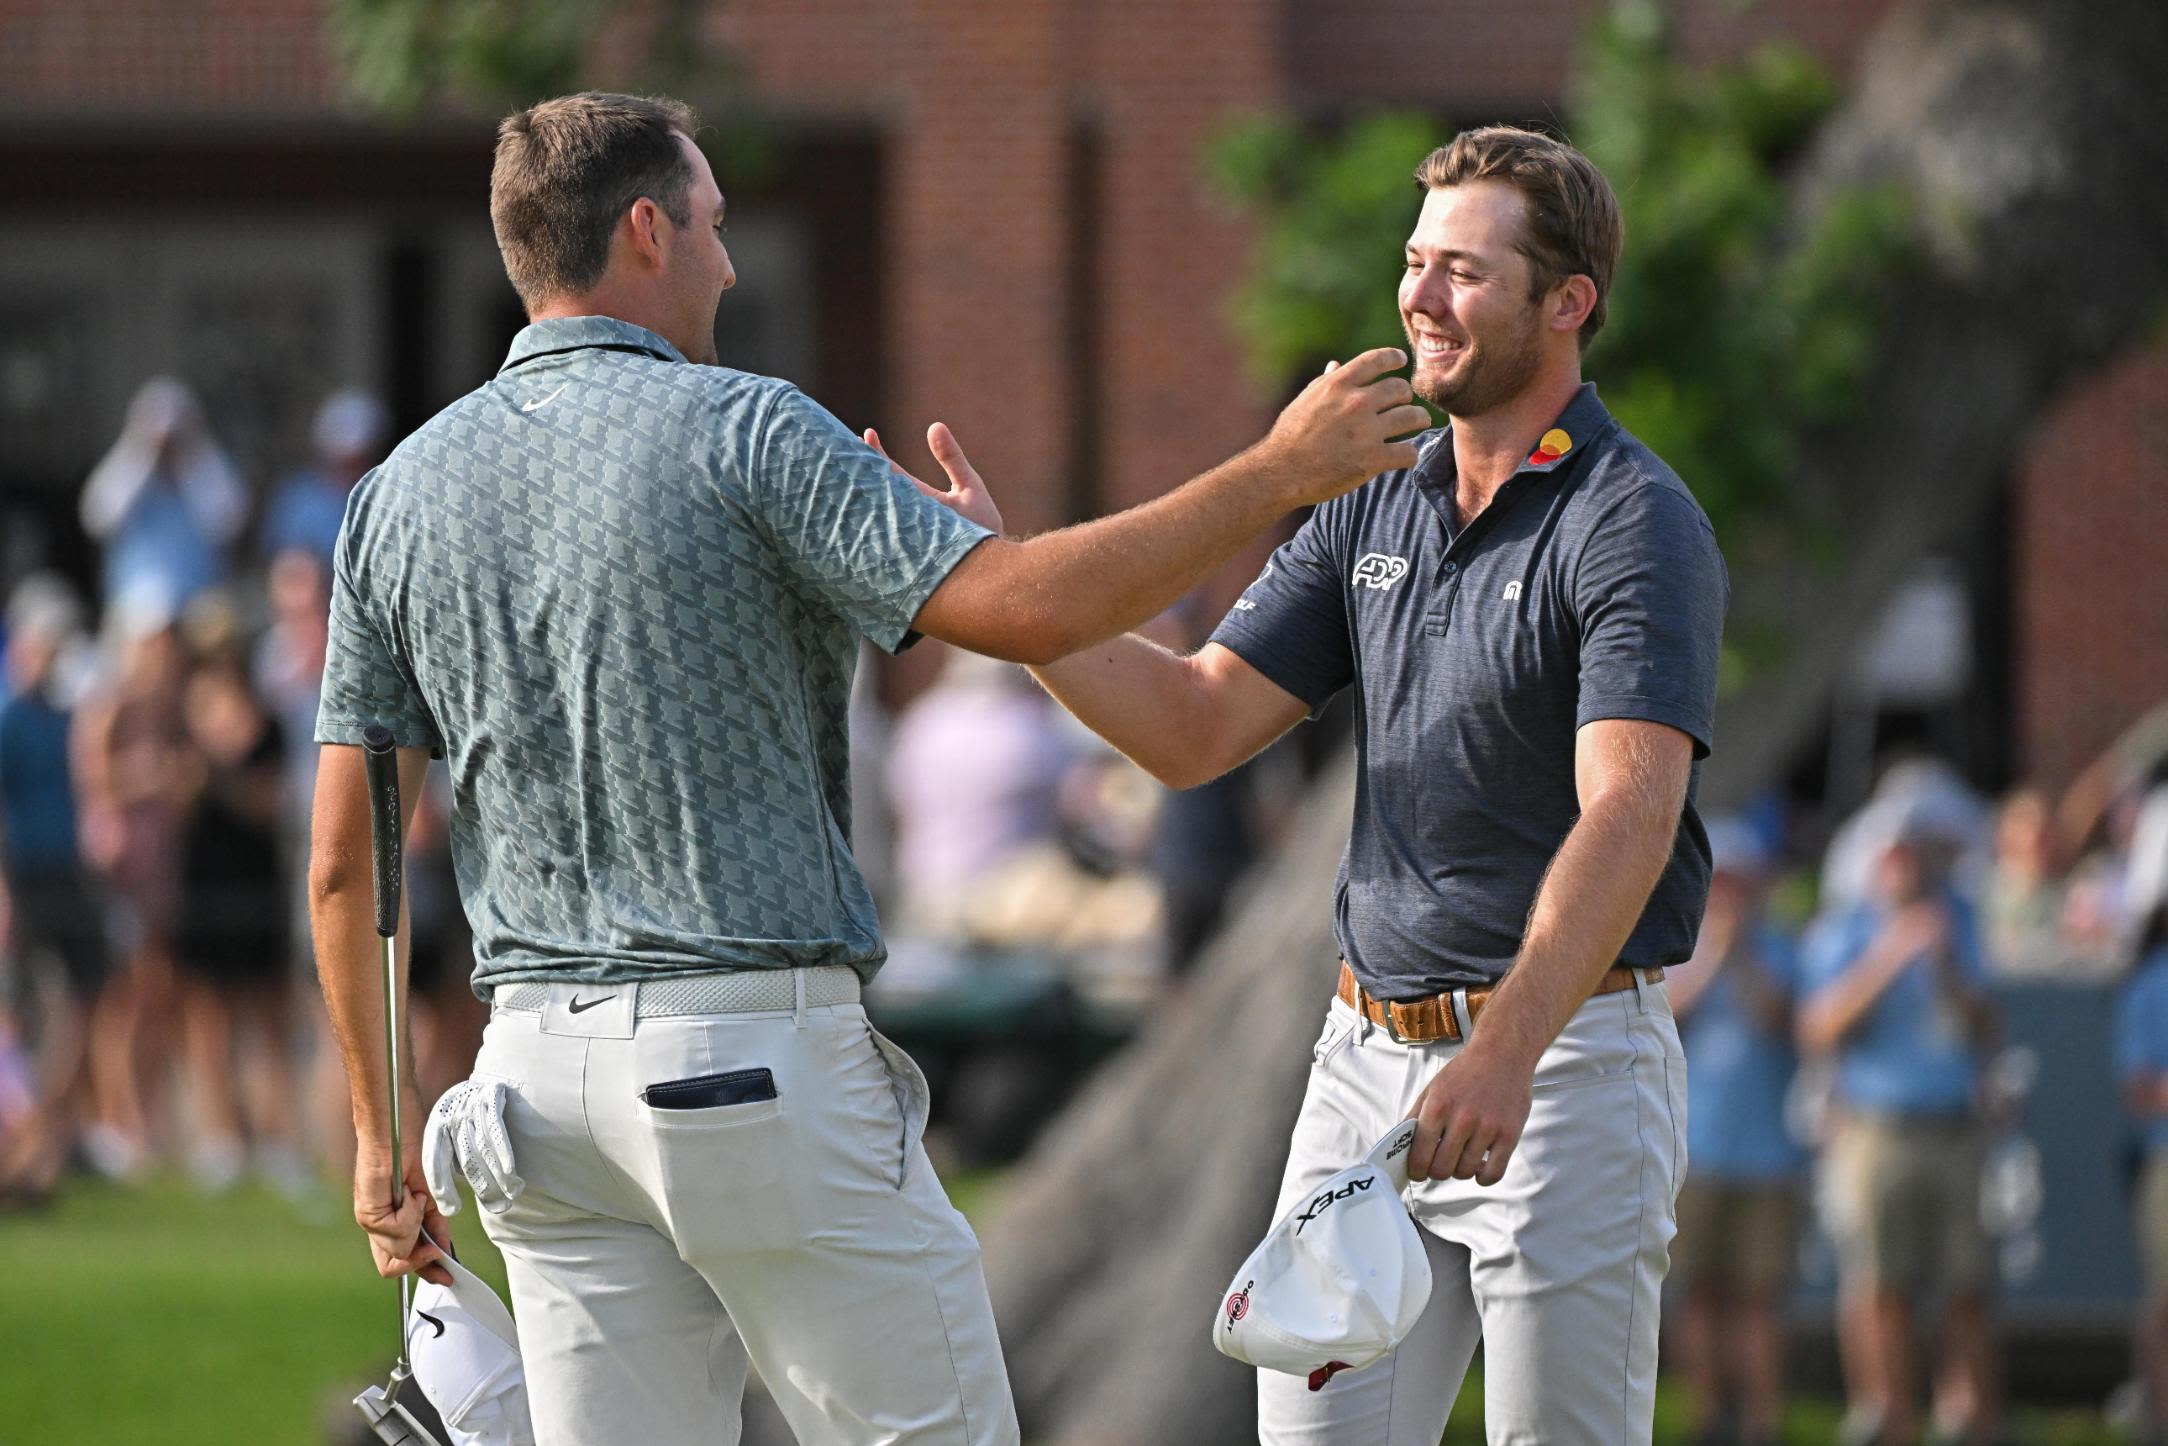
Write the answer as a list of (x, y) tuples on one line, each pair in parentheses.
[(1590, 588)]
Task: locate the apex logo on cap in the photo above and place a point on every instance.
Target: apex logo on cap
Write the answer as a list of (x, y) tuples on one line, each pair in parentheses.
[(1328, 1198)]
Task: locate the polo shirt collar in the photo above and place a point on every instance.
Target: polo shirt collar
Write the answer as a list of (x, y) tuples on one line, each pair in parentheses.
[(573, 333), (1584, 420)]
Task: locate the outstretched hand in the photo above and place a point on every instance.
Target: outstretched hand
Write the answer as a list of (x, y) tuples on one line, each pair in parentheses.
[(1341, 430), (966, 492)]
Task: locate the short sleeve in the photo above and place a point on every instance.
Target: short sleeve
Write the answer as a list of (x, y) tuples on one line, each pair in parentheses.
[(1291, 623), (1650, 593), (854, 535), (364, 681)]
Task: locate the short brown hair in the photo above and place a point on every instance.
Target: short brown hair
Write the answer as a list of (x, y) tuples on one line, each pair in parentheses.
[(568, 168), (1573, 222)]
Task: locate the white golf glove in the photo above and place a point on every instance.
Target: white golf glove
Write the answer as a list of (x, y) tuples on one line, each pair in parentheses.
[(466, 1136)]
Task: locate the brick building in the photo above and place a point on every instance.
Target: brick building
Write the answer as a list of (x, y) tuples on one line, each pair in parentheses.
[(986, 211)]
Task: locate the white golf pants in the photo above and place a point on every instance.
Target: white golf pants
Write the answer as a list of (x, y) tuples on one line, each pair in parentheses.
[(654, 1252), (1557, 1269)]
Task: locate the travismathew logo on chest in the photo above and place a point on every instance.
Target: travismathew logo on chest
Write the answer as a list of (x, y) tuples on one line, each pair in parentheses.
[(1326, 1199), (1379, 570)]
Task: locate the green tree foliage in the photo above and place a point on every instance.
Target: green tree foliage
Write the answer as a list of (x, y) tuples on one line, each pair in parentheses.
[(400, 56), (1731, 330)]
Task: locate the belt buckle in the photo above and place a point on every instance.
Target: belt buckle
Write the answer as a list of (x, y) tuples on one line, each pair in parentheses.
[(1392, 1030)]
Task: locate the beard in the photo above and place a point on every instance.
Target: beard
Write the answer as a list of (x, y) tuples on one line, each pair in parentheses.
[(1492, 371)]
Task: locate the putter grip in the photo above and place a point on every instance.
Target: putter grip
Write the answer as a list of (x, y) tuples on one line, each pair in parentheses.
[(387, 855)]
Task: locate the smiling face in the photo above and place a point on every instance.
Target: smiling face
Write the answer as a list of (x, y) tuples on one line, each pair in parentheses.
[(1477, 337)]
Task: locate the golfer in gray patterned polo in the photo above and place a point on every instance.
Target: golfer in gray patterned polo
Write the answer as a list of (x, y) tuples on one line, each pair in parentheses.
[(620, 590)]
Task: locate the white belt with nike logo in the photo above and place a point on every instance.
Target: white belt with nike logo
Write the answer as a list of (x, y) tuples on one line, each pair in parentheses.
[(741, 991)]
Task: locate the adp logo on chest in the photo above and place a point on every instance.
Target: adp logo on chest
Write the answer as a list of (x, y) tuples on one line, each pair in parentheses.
[(1379, 570)]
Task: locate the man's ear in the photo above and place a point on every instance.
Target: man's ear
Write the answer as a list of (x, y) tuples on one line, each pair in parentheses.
[(1576, 297), (649, 233)]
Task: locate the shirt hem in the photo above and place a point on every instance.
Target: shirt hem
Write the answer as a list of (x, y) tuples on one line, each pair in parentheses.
[(925, 583), (1647, 710), (404, 733)]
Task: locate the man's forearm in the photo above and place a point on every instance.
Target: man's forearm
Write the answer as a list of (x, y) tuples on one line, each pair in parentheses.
[(350, 969), (1140, 697), (1597, 885), (1043, 598)]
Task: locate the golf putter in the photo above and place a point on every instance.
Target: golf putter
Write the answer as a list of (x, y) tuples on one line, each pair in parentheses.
[(379, 1405)]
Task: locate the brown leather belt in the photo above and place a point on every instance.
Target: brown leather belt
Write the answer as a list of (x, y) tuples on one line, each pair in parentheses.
[(1426, 1021)]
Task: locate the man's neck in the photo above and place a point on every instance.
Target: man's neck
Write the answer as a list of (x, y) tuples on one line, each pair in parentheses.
[(614, 302), (1489, 449)]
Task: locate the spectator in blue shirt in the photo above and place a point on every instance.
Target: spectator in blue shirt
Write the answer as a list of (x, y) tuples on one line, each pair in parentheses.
[(54, 913), (1895, 995), (1739, 1209), (165, 503), (309, 503), (2142, 1063)]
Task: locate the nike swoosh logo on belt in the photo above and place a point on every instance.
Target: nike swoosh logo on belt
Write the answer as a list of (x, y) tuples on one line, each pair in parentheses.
[(576, 1007)]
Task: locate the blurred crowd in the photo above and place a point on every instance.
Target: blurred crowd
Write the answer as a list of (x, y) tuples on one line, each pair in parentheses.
[(1843, 1071), (1840, 1017), (155, 777)]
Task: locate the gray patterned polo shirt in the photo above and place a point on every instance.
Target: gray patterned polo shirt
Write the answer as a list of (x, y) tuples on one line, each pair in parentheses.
[(621, 595)]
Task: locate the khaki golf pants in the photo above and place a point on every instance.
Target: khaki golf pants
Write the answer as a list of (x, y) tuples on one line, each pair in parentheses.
[(654, 1253), (1557, 1268)]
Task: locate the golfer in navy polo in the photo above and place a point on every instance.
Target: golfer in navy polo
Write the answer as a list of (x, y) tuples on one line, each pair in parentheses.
[(1530, 617)]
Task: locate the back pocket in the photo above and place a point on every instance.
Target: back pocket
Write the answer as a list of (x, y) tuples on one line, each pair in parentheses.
[(726, 1169)]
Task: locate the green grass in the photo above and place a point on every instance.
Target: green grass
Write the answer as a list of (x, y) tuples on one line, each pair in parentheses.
[(160, 1317)]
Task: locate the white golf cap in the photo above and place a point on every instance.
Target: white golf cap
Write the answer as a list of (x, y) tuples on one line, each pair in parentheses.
[(1339, 1281), (466, 1360)]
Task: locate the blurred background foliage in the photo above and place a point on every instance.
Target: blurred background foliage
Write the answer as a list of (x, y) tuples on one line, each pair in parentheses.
[(1738, 323), (403, 56)]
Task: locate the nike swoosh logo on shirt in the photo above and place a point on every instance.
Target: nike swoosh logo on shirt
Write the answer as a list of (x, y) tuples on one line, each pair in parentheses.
[(538, 406), (576, 1007)]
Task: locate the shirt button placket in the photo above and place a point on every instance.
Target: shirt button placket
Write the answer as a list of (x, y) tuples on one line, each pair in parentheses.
[(1435, 623)]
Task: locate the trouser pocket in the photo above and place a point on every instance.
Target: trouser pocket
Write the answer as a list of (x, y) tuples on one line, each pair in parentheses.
[(907, 1082), (728, 1175)]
